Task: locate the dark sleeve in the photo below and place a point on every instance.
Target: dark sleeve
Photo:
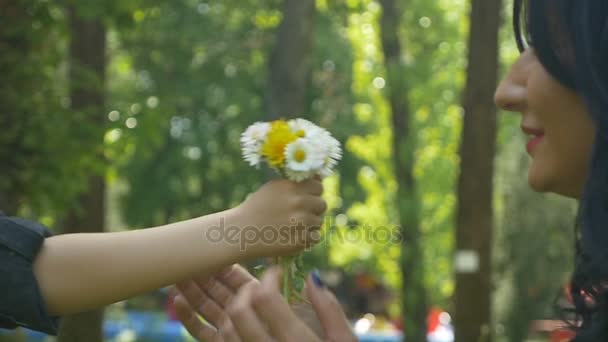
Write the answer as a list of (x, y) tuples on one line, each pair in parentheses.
[(21, 303)]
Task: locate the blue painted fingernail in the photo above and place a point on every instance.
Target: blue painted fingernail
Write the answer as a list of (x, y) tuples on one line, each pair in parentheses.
[(316, 279)]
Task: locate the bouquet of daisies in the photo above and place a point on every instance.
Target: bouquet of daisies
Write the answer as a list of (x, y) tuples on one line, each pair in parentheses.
[(298, 150)]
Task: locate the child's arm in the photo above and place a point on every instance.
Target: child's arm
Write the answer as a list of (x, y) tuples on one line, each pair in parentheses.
[(77, 272)]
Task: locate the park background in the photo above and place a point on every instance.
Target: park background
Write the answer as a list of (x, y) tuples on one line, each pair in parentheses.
[(126, 114)]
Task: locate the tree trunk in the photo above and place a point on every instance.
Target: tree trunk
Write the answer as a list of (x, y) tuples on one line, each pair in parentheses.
[(87, 88), (291, 60), (290, 69), (414, 305), (475, 210)]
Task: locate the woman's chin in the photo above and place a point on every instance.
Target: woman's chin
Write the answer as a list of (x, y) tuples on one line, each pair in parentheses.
[(538, 181)]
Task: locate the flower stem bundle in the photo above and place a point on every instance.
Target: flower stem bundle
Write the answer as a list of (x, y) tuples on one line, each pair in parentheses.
[(297, 150)]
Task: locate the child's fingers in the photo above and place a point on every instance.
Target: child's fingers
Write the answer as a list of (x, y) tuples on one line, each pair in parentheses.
[(317, 204), (311, 186)]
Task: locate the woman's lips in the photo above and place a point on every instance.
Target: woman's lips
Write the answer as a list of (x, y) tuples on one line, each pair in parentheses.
[(537, 136), (533, 142)]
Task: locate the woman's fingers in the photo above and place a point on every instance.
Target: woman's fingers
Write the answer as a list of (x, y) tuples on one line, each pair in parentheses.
[(329, 311), (209, 297), (235, 276), (275, 312), (191, 321), (228, 332), (244, 318), (218, 292), (257, 313), (211, 311), (192, 294), (208, 301)]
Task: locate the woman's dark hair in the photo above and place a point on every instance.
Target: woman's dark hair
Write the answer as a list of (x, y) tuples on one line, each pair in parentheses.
[(570, 39)]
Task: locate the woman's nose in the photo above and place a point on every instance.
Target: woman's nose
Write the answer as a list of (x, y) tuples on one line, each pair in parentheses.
[(510, 95), (511, 92)]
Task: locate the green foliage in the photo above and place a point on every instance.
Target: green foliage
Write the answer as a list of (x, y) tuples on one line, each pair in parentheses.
[(188, 78), (434, 57), (40, 162)]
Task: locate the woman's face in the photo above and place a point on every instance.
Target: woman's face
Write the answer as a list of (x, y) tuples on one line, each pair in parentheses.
[(556, 120)]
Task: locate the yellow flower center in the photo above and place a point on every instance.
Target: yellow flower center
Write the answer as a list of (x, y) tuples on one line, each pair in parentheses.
[(277, 139), (299, 156)]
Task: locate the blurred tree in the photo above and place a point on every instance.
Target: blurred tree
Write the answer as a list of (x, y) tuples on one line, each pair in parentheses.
[(87, 98), (331, 97), (475, 185), (18, 42), (414, 303), (432, 31), (35, 162), (290, 63)]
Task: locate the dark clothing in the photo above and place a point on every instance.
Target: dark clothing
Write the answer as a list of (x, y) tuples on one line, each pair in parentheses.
[(21, 303)]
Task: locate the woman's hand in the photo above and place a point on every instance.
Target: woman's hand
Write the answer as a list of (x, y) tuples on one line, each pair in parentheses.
[(240, 309), (281, 218), (208, 295)]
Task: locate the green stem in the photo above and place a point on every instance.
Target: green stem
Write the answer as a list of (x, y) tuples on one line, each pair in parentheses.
[(285, 264), (286, 272)]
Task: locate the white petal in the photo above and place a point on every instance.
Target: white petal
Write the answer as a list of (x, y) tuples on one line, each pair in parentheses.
[(298, 176), (256, 132)]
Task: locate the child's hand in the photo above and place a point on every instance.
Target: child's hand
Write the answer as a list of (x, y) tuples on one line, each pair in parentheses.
[(281, 218)]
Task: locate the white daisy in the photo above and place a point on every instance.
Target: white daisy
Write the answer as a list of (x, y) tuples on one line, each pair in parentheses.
[(304, 128), (303, 158), (252, 155), (255, 134), (329, 146), (332, 153), (252, 140)]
